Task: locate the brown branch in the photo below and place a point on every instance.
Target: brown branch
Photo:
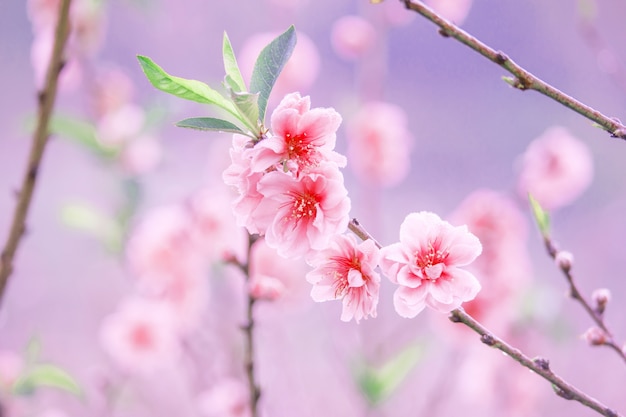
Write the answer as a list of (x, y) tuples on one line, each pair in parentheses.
[(523, 80), (574, 292), (46, 99), (540, 366)]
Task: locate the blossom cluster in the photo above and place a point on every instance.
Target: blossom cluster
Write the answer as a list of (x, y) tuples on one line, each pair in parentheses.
[(291, 191)]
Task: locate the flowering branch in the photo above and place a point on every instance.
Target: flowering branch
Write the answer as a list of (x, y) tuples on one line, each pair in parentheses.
[(605, 337), (523, 80), (539, 365), (46, 99)]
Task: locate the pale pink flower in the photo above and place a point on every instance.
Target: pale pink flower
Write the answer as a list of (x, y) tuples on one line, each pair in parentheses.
[(119, 126), (264, 287), (396, 14), (302, 138), (11, 367), (302, 214), (113, 89), (379, 144), (141, 155), (239, 175), (425, 263), (228, 398), (140, 336), (352, 37), (556, 168), (504, 265), (298, 74), (345, 270), (453, 10)]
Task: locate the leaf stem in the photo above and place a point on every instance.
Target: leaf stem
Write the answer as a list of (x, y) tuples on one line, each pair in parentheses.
[(524, 80), (46, 99)]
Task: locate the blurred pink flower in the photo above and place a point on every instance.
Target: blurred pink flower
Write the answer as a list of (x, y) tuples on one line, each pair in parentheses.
[(11, 366), (113, 89), (228, 398), (298, 74), (425, 263), (345, 270), (141, 155), (140, 336), (453, 10), (396, 14), (239, 175), (379, 144), (40, 53), (556, 169), (504, 265), (352, 37), (302, 214), (302, 137), (119, 126)]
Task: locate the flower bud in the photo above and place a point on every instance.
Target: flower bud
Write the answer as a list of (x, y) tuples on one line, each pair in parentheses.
[(601, 298), (564, 260), (595, 336)]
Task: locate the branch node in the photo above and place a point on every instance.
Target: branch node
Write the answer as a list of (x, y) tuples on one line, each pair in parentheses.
[(542, 363), (488, 339), (444, 33), (565, 394), (454, 318), (501, 58)]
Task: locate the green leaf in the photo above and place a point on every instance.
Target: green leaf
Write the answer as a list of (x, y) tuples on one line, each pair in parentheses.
[(268, 66), (183, 88), (211, 124), (32, 351), (94, 222), (377, 384), (45, 375), (541, 216), (248, 106), (233, 74)]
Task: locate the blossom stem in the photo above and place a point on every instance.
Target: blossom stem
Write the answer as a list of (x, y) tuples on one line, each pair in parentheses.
[(539, 365), (523, 79), (356, 228), (46, 100), (248, 329), (575, 293)]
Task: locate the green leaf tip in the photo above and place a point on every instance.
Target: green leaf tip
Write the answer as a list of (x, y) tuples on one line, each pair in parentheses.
[(269, 65), (46, 375), (183, 88), (234, 80), (542, 218)]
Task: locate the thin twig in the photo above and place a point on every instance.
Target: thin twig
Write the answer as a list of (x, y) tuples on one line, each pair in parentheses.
[(575, 293), (356, 228), (46, 99), (540, 366), (524, 80)]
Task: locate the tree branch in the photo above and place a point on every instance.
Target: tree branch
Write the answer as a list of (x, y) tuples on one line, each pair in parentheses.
[(540, 366), (46, 99), (523, 80)]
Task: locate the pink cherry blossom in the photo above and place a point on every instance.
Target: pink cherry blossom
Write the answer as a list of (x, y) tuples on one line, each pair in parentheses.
[(556, 168), (453, 10), (141, 155), (302, 214), (352, 37), (345, 270), (228, 398), (302, 138), (379, 144), (425, 263), (140, 336)]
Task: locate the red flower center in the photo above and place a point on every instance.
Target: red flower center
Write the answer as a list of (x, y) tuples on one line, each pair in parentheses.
[(431, 261), (300, 149)]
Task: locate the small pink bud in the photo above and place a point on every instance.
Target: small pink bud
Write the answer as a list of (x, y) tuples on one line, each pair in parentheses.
[(601, 298), (595, 336), (564, 260)]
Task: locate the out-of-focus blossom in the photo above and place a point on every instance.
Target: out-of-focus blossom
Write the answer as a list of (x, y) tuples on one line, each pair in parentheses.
[(263, 287), (118, 127), (396, 14), (379, 144), (11, 366), (346, 271), (228, 398), (425, 263), (298, 74), (141, 155), (352, 37), (556, 169), (301, 215), (453, 10), (301, 138), (40, 53), (52, 412), (140, 336), (113, 90), (504, 265)]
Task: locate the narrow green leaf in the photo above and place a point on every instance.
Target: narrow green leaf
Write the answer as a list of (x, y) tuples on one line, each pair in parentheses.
[(233, 74), (183, 88), (248, 106), (45, 375), (377, 384), (32, 351), (211, 124), (92, 221), (541, 216), (268, 66)]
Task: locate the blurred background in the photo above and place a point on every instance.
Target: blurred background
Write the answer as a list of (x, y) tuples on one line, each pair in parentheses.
[(119, 181)]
